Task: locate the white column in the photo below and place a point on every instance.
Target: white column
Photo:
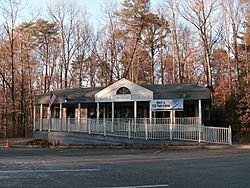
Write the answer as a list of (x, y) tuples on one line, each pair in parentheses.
[(150, 113), (173, 114), (135, 113), (104, 119), (171, 117), (129, 130), (60, 116), (79, 111), (49, 118), (34, 118), (41, 117), (113, 115), (135, 110), (230, 135), (171, 125), (97, 111), (78, 117), (60, 113), (200, 112)]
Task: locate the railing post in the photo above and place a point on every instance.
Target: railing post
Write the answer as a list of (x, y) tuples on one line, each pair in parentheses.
[(230, 135), (68, 124), (129, 130), (60, 120), (146, 131), (104, 127), (200, 133), (171, 131), (89, 125), (49, 119), (49, 124)]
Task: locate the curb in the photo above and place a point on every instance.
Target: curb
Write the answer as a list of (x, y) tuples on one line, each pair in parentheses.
[(136, 146), (241, 147), (142, 147)]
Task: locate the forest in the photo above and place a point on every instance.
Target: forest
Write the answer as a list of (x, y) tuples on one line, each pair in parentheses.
[(204, 42)]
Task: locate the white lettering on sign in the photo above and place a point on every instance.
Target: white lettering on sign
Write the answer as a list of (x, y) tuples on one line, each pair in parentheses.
[(163, 105)]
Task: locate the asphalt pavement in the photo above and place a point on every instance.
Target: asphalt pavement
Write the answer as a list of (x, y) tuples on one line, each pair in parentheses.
[(130, 168)]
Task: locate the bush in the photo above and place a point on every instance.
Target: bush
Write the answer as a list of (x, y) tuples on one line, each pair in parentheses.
[(39, 142)]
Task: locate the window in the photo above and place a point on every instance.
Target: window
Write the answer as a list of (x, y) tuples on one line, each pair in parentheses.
[(123, 91)]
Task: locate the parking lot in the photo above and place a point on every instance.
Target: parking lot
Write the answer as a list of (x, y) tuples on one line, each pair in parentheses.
[(100, 167)]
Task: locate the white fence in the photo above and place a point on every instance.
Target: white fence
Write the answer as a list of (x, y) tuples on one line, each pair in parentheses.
[(141, 129)]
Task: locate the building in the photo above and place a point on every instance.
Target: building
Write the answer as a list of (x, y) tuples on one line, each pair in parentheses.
[(125, 100)]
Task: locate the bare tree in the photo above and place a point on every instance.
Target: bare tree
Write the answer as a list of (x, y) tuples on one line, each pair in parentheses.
[(66, 15), (84, 34), (112, 40), (200, 14), (233, 12), (11, 10)]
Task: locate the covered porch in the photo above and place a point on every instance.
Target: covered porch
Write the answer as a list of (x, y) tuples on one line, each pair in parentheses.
[(129, 110)]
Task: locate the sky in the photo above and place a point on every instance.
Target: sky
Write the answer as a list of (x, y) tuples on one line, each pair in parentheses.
[(93, 7)]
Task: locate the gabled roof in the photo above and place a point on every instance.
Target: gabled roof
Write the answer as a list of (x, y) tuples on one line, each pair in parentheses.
[(165, 91)]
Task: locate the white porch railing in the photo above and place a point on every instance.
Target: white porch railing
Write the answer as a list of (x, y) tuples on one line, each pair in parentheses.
[(142, 129), (183, 120)]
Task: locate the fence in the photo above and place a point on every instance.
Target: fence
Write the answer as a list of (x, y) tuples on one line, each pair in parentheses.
[(141, 129)]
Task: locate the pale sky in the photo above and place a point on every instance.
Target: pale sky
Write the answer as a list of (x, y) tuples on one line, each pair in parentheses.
[(93, 7)]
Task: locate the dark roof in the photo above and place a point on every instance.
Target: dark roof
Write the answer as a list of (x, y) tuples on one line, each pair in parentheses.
[(83, 95), (179, 91), (165, 91)]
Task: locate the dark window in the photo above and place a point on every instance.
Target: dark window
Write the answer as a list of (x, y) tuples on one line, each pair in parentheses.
[(123, 91), (190, 110)]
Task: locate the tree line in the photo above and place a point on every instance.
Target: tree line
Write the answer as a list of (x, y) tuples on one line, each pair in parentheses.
[(205, 42)]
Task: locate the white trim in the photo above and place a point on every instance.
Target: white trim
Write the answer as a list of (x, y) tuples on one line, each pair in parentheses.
[(138, 93)]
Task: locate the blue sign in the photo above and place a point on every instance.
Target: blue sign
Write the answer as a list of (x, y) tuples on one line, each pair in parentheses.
[(165, 105)]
